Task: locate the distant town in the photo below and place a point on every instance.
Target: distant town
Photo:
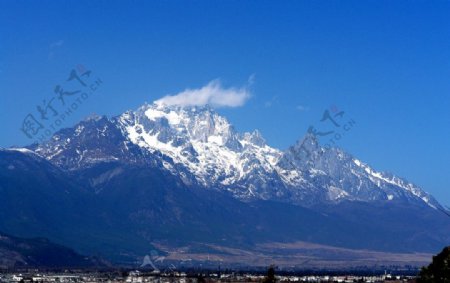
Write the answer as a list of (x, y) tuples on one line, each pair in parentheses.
[(136, 276)]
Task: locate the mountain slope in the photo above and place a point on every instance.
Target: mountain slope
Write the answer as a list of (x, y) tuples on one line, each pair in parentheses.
[(182, 176), (202, 148), (343, 177), (40, 200), (39, 252)]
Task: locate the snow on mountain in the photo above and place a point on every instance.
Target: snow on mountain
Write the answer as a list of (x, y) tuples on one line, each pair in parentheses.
[(199, 145), (202, 141), (93, 140), (344, 177)]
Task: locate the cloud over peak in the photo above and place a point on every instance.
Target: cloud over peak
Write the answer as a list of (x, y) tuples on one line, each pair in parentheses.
[(213, 94)]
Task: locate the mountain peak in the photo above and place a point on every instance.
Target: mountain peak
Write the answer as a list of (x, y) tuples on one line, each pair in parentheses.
[(94, 117), (308, 143), (255, 137), (195, 142), (302, 154), (199, 139)]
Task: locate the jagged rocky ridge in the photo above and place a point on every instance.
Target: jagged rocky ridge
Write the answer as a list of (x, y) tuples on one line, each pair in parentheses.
[(183, 177), (203, 149)]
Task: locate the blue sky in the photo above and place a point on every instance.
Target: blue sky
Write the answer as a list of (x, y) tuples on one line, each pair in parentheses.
[(385, 63)]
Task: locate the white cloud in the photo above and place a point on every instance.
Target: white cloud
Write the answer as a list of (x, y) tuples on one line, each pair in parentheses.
[(271, 102), (302, 108), (213, 94)]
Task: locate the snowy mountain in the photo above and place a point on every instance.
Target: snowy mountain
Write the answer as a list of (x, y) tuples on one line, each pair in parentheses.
[(202, 148), (343, 177), (169, 176)]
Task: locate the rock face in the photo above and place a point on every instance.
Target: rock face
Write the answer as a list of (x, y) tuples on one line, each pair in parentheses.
[(182, 176), (201, 147)]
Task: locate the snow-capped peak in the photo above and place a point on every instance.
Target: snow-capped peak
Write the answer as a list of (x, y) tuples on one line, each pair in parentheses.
[(199, 145), (199, 139)]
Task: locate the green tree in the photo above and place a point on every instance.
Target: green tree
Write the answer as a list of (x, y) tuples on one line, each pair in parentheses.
[(270, 278), (439, 269)]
